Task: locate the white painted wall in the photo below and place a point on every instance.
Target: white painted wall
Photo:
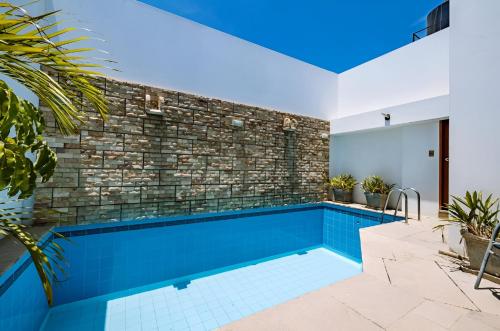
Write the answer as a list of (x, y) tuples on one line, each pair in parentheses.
[(157, 48), (474, 100), (419, 111), (415, 72), (418, 170), (474, 96), (398, 154), (368, 153), (412, 84)]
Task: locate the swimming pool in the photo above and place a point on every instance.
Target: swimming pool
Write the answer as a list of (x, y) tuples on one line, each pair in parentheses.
[(186, 273)]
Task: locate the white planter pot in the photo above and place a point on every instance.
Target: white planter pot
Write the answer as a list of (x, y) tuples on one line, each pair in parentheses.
[(455, 242)]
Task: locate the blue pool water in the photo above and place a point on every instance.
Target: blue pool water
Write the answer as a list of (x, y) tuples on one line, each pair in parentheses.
[(207, 301), (189, 273)]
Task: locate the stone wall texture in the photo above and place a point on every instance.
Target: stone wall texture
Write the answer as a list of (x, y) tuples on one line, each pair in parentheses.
[(189, 159)]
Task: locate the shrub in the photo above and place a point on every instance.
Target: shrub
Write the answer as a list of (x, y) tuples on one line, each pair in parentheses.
[(474, 214), (375, 184), (344, 182)]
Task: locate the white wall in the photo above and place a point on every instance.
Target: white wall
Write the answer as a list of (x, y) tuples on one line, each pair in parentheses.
[(367, 153), (398, 154), (474, 101), (417, 71), (157, 48), (419, 111), (412, 84), (418, 170), (474, 96)]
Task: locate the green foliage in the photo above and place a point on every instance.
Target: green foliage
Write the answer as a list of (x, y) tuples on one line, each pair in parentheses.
[(375, 184), (46, 260), (24, 122), (29, 43), (29, 48), (473, 213), (344, 182)]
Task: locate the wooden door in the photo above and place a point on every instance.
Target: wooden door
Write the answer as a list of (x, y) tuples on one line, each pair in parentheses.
[(444, 162)]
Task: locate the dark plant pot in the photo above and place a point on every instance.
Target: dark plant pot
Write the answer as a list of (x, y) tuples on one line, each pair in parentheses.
[(476, 247), (342, 196), (375, 200), (330, 194)]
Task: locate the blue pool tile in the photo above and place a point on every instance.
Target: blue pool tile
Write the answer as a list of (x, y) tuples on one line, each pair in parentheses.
[(220, 298), (110, 258), (23, 305), (210, 324)]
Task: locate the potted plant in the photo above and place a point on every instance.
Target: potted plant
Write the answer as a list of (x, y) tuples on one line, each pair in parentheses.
[(328, 186), (342, 186), (376, 191), (477, 217)]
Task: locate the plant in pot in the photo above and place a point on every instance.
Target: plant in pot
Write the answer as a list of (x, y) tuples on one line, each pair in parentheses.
[(328, 186), (477, 217), (376, 191), (342, 186)]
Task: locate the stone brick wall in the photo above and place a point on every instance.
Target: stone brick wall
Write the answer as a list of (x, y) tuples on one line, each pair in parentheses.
[(190, 159)]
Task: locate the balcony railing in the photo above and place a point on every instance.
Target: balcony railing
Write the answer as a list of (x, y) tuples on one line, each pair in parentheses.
[(438, 19), (419, 34)]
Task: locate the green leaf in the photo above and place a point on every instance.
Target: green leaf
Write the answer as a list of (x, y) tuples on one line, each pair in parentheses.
[(26, 42), (476, 215), (39, 56)]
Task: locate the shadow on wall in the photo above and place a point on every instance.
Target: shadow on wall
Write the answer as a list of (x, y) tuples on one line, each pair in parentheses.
[(400, 155)]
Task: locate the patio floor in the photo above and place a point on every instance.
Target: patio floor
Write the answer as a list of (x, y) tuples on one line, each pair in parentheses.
[(406, 285)]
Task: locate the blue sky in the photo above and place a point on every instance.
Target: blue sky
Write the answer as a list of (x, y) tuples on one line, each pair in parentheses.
[(333, 34)]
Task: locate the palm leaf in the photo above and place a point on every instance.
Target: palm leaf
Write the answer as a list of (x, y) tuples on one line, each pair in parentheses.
[(27, 42), (37, 54), (473, 213), (44, 260)]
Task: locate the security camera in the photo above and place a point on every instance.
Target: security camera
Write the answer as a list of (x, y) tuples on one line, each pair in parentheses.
[(387, 117)]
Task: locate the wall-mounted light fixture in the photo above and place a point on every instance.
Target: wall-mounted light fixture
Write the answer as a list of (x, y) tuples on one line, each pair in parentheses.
[(153, 104), (387, 118), (237, 123), (290, 124), (325, 135)]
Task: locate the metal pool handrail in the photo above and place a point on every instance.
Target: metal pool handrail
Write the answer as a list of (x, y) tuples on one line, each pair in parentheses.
[(418, 200), (401, 191)]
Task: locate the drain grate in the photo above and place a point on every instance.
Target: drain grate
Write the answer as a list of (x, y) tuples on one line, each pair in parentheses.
[(182, 284)]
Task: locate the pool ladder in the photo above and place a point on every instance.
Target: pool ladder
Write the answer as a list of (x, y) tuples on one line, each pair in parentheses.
[(402, 191)]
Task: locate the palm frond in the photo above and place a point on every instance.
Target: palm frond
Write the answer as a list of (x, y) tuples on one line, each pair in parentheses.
[(474, 214), (36, 53), (44, 260), (28, 46)]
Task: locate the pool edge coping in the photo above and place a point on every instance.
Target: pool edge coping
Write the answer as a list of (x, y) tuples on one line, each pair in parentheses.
[(9, 275)]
